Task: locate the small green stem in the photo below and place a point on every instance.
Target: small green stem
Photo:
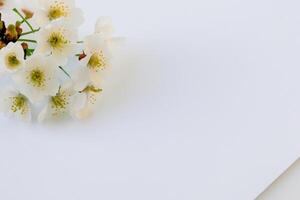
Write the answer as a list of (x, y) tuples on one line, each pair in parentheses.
[(30, 32), (62, 69), (27, 40), (23, 18), (79, 42)]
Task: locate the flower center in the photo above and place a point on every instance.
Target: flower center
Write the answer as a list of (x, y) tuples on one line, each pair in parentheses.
[(12, 61), (97, 61), (60, 101), (19, 103), (58, 10), (91, 92), (37, 78), (57, 40)]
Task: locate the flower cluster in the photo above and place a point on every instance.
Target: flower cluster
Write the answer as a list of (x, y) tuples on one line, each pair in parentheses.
[(50, 72)]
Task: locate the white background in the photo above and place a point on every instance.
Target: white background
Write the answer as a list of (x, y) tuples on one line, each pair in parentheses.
[(203, 103)]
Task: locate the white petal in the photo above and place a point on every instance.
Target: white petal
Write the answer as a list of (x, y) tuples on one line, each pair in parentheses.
[(95, 78), (81, 78), (115, 42), (104, 27), (41, 18), (77, 17), (94, 43), (79, 106), (26, 117), (44, 114)]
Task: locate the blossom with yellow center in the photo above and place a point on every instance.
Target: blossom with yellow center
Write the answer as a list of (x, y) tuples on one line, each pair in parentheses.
[(53, 10), (59, 104), (87, 94), (38, 78), (15, 104), (11, 58), (97, 57), (84, 102), (58, 40)]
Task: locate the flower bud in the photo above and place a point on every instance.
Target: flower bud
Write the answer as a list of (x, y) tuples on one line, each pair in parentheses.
[(28, 13), (18, 28), (11, 33), (82, 56)]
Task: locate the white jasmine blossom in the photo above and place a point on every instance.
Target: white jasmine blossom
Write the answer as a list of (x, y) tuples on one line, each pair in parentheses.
[(38, 78), (15, 104), (59, 104), (39, 47), (59, 40), (104, 27), (97, 57), (11, 58), (53, 10), (83, 102)]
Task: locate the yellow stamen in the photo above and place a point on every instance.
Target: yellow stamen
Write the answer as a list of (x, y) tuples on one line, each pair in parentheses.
[(91, 89), (57, 40), (91, 92), (97, 61), (12, 61), (19, 104), (58, 10), (60, 101), (37, 78)]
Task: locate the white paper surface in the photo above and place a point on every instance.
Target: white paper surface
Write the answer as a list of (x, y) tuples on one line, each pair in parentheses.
[(203, 103), (284, 187)]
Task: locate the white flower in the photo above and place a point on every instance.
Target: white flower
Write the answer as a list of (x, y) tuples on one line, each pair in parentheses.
[(38, 78), (104, 29), (58, 105), (59, 40), (97, 56), (53, 10), (83, 102), (11, 58), (15, 104)]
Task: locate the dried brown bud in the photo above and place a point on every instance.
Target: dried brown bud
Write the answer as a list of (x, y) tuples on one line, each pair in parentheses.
[(82, 56), (28, 13), (11, 33), (25, 45), (18, 28)]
